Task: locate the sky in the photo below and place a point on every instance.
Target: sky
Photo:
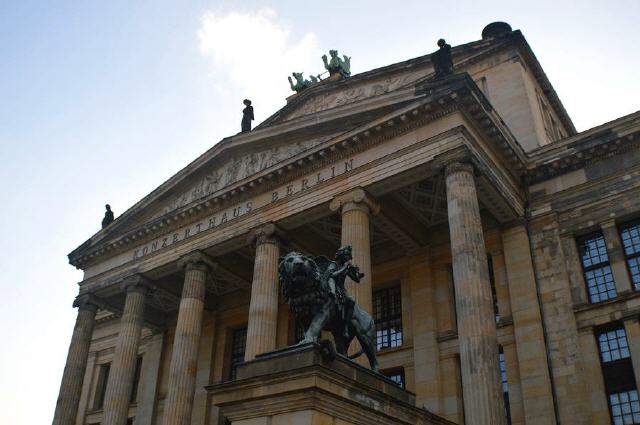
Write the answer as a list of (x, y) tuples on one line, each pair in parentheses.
[(102, 101)]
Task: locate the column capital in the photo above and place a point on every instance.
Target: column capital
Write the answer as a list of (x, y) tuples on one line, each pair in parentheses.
[(196, 260), (353, 199), (86, 302), (267, 233), (136, 283), (608, 223), (456, 166)]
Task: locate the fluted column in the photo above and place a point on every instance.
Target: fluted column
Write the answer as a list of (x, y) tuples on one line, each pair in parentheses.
[(120, 383), (186, 343), (263, 308), (356, 207), (74, 369), (477, 335)]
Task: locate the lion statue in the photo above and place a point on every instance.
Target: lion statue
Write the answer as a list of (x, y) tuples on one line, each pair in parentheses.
[(306, 289)]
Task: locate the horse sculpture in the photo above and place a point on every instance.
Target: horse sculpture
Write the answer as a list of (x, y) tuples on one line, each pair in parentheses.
[(318, 306)]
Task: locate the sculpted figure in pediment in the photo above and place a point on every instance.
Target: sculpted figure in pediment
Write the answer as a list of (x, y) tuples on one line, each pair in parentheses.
[(236, 169)]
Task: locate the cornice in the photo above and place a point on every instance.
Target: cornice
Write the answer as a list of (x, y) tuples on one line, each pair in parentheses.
[(583, 152)]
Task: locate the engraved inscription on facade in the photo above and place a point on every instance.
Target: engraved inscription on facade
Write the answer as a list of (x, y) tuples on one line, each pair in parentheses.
[(239, 210)]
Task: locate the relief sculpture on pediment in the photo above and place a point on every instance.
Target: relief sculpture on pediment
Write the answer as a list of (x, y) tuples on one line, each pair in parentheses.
[(235, 169), (324, 101)]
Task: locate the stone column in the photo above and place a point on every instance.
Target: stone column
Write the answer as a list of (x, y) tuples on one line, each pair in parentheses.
[(263, 308), (74, 369), (477, 335), (356, 207), (123, 367), (616, 257), (186, 342)]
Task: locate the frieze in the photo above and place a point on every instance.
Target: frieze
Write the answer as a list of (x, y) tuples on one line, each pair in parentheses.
[(236, 169), (239, 210)]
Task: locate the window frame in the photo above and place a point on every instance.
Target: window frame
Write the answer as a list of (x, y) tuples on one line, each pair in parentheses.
[(581, 243), (629, 257), (236, 358), (399, 371), (504, 382), (104, 369), (389, 319), (617, 375)]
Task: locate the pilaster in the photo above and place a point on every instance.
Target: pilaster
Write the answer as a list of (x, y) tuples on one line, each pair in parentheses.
[(616, 257), (632, 329), (593, 376), (529, 334)]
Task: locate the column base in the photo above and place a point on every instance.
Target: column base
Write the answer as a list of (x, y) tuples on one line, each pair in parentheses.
[(309, 385)]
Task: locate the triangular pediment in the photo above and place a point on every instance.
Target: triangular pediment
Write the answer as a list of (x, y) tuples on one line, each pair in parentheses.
[(312, 119)]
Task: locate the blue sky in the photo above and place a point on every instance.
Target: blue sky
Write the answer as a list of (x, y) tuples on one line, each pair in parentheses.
[(103, 101)]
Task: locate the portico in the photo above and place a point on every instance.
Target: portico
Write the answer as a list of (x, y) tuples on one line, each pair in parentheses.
[(388, 188)]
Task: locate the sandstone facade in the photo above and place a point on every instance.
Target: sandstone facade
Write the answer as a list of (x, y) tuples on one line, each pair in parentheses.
[(472, 205)]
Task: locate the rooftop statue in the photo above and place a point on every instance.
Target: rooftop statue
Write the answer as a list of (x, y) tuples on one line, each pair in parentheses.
[(108, 216), (337, 65), (441, 58), (314, 289), (247, 116), (301, 83)]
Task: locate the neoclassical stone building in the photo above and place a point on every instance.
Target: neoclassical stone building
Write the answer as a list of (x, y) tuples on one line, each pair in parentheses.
[(500, 248)]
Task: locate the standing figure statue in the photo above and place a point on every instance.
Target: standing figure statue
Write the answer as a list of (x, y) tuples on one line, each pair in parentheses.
[(108, 216), (315, 290), (337, 65), (442, 62), (247, 116)]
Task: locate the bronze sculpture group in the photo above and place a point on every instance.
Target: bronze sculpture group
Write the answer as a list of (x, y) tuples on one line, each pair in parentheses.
[(315, 290)]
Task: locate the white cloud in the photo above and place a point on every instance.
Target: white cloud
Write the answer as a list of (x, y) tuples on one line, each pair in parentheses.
[(256, 52)]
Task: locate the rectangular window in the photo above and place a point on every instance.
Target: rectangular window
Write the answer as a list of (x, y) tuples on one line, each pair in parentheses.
[(625, 408), (101, 387), (492, 282), (613, 345), (630, 236), (387, 312), (505, 383), (596, 267), (617, 371), (396, 375), (238, 346)]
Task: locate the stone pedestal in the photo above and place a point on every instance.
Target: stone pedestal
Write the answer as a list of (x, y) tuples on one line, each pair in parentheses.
[(477, 335), (305, 385), (74, 370), (184, 357), (263, 307), (120, 384)]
